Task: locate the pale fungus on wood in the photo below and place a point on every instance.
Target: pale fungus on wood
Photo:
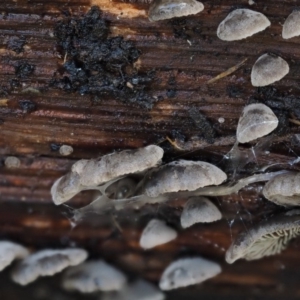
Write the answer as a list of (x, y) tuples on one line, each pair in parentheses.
[(168, 9), (257, 120), (65, 150), (182, 175), (284, 189), (93, 276), (9, 252), (199, 210), (266, 238), (46, 263), (12, 162), (156, 233), (268, 69), (242, 23), (291, 26), (188, 271)]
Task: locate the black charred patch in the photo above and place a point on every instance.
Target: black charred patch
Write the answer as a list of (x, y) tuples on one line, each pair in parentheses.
[(99, 65), (24, 69), (16, 44), (206, 129), (27, 106)]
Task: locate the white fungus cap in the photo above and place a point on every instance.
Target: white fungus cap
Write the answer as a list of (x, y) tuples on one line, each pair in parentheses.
[(12, 162), (182, 175), (168, 9), (268, 69), (242, 23), (284, 189), (65, 150), (156, 233), (9, 252), (46, 263), (199, 210), (188, 271), (257, 120), (138, 290), (93, 276), (266, 238), (291, 26)]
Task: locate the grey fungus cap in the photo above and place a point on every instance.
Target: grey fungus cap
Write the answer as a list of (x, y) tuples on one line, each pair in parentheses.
[(291, 26), (46, 263), (257, 120), (199, 210), (266, 238), (242, 23), (188, 271), (156, 233), (284, 189), (168, 9), (93, 276), (268, 69), (182, 175), (9, 252)]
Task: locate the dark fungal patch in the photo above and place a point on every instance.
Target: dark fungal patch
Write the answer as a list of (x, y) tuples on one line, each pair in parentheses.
[(27, 106), (16, 44), (24, 69), (99, 65)]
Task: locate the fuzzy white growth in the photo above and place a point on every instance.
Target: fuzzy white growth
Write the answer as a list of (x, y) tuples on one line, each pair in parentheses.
[(268, 69), (284, 189), (89, 174), (242, 23), (168, 9), (156, 233), (264, 239), (139, 290), (94, 276), (9, 252), (46, 263), (188, 271), (291, 26), (12, 162), (65, 150), (182, 175), (199, 210), (257, 120)]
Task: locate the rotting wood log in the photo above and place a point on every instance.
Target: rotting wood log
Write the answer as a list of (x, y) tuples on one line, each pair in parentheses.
[(184, 54)]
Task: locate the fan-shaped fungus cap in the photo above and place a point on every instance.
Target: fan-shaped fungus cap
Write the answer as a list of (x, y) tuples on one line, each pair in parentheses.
[(46, 263), (156, 233), (242, 23), (266, 238), (182, 175), (268, 69), (291, 26), (65, 150), (93, 276), (168, 9), (188, 271), (257, 120), (9, 252), (284, 189), (138, 290), (199, 210), (92, 173)]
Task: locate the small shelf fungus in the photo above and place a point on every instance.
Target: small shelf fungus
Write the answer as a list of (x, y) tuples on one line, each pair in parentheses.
[(266, 238), (291, 26), (93, 276), (12, 162), (242, 23), (46, 263), (257, 120), (65, 150), (168, 9), (138, 290), (188, 271), (268, 69), (181, 175), (156, 233), (9, 252), (199, 210), (284, 189), (89, 174)]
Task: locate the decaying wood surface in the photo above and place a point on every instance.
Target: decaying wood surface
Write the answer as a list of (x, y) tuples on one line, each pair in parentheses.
[(185, 55)]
